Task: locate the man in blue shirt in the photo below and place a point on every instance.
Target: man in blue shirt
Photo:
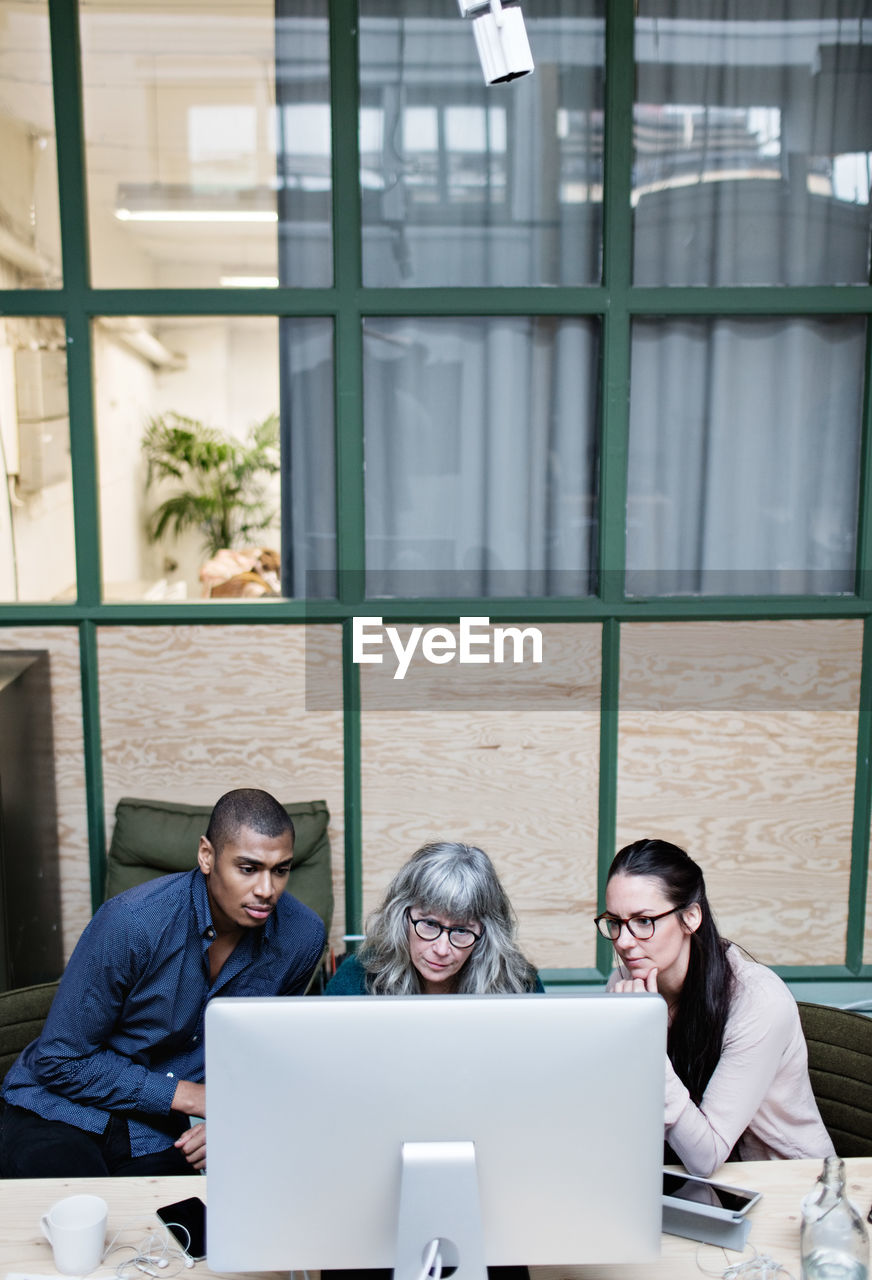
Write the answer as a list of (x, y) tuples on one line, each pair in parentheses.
[(111, 1083)]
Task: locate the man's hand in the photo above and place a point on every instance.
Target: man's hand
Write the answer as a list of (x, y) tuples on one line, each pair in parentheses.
[(648, 983), (189, 1098), (193, 1144)]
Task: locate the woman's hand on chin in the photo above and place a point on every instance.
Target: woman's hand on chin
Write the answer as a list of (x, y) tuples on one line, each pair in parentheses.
[(648, 983)]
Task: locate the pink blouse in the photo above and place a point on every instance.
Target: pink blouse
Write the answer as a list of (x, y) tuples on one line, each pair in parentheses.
[(759, 1094)]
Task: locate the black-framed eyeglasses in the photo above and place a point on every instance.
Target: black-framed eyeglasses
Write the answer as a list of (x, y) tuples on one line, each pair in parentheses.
[(640, 927), (458, 935)]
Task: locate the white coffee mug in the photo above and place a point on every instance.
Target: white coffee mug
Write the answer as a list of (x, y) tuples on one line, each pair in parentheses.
[(76, 1230)]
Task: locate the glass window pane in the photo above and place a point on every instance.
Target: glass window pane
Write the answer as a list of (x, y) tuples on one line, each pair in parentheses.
[(481, 456), (215, 440), (186, 711), (306, 377), (37, 542), (207, 166), (753, 143), (744, 456), (30, 251), (536, 734), (464, 184), (750, 767)]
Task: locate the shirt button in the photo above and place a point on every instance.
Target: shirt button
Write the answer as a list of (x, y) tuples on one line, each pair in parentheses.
[(170, 1075), (210, 933), (196, 1038)]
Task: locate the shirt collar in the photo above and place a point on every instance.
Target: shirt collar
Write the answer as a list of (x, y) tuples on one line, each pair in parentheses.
[(202, 912)]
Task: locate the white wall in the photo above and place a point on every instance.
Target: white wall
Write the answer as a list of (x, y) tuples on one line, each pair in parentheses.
[(124, 399), (37, 559), (29, 199), (231, 376)]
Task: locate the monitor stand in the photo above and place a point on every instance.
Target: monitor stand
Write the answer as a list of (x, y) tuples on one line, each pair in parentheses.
[(439, 1200)]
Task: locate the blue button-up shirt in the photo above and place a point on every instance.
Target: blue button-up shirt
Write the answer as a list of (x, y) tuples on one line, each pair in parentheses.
[(127, 1022)]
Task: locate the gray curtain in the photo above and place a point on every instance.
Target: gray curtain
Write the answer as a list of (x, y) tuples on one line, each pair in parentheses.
[(753, 138), (480, 456), (744, 456)]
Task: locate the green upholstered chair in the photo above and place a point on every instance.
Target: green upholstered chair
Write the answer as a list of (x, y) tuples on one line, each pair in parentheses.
[(156, 837), (840, 1065), (22, 1013)]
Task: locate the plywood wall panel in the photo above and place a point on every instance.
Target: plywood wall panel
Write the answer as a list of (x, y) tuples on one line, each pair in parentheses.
[(62, 644), (189, 712), (504, 758), (738, 742)]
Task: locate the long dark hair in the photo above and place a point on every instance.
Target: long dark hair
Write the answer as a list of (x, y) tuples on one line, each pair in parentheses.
[(696, 1035)]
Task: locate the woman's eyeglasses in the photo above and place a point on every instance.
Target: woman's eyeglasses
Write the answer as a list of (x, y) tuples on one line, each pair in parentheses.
[(458, 936), (640, 927)]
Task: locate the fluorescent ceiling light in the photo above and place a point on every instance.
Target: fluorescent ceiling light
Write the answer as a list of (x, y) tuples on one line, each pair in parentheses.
[(250, 282), (178, 202), (193, 215)]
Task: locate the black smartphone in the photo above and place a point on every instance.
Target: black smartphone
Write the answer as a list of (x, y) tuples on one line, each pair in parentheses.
[(186, 1219), (693, 1190)]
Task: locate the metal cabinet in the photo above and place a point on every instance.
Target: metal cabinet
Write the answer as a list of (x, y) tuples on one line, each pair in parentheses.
[(30, 921)]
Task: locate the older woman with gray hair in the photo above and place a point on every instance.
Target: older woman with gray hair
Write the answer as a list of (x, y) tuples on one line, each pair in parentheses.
[(445, 926)]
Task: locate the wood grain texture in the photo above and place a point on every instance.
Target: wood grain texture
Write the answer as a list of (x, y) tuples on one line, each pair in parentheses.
[(189, 712), (506, 758), (738, 742), (775, 1225), (62, 644), (774, 1232)]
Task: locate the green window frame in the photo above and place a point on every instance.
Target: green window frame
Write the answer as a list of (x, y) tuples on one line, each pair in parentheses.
[(616, 302)]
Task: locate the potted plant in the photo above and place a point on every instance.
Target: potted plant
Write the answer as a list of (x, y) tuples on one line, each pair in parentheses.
[(220, 480)]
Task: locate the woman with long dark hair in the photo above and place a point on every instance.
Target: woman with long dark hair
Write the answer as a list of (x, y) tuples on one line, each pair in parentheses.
[(737, 1066)]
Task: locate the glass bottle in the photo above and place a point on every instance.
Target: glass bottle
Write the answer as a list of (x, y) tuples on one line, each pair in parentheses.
[(833, 1243)]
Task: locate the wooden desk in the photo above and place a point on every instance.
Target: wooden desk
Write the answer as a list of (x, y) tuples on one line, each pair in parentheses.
[(132, 1201), (774, 1224), (132, 1204)]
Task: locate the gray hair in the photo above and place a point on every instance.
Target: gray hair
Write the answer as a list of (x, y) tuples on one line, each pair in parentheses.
[(457, 881)]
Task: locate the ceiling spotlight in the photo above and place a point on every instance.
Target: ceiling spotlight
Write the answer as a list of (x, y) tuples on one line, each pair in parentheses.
[(501, 39)]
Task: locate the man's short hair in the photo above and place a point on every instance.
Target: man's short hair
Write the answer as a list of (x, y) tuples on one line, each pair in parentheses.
[(247, 807)]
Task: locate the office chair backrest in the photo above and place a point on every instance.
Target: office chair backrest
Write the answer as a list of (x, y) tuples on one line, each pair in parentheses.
[(840, 1066), (22, 1013), (156, 837)]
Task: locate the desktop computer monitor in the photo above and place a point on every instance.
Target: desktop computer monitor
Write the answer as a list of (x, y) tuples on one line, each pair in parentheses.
[(350, 1132)]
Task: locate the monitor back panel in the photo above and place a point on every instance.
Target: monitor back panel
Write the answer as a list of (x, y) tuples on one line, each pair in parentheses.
[(310, 1099)]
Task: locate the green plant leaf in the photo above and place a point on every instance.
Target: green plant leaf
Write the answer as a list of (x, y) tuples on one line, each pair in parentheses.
[(218, 479)]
